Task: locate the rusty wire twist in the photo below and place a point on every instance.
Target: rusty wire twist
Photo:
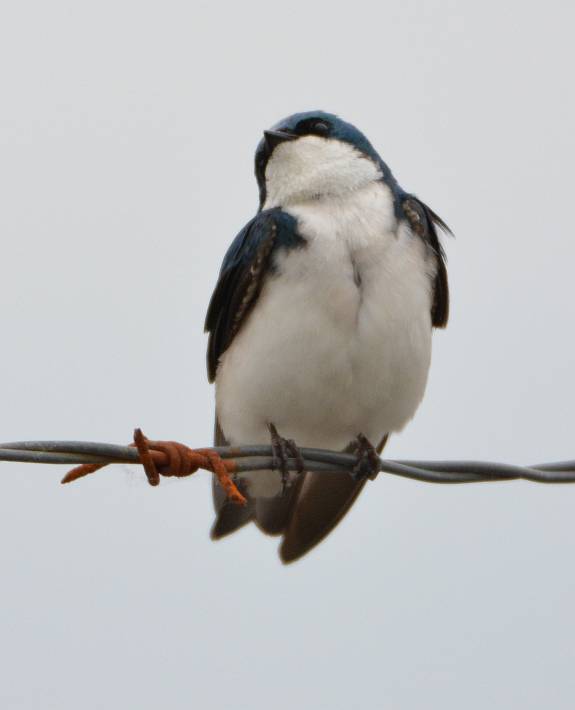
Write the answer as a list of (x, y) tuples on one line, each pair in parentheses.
[(170, 458)]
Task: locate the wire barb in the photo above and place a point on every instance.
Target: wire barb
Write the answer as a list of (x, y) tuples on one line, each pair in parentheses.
[(142, 444), (170, 458), (81, 471)]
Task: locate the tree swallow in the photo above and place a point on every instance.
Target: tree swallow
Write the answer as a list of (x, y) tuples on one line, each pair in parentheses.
[(320, 323)]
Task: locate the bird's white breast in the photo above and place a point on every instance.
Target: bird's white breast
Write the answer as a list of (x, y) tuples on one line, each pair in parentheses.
[(339, 341)]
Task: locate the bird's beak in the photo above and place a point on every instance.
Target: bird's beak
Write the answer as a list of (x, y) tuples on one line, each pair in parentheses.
[(274, 138)]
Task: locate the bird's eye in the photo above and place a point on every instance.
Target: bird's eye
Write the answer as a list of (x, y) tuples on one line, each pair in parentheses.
[(314, 126), (320, 127)]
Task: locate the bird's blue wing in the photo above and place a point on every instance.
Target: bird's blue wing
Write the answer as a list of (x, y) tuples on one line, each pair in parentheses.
[(247, 263), (424, 222)]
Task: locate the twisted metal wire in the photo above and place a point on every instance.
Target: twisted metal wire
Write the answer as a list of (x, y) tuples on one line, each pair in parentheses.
[(261, 458)]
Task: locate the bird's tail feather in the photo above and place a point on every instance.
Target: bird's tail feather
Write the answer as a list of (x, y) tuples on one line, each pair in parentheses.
[(229, 516)]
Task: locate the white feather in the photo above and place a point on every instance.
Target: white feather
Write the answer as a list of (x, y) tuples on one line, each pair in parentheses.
[(311, 166), (339, 341)]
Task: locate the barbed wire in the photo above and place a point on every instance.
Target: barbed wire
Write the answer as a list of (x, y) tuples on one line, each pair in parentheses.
[(174, 459)]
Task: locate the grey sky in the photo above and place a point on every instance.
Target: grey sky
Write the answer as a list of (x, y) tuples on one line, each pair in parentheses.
[(126, 144)]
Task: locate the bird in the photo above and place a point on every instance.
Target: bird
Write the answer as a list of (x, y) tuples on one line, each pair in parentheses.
[(320, 324)]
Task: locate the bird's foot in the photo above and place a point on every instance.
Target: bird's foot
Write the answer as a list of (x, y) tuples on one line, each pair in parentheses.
[(367, 459), (283, 449)]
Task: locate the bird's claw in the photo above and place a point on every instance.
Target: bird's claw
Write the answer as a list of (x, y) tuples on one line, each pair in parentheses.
[(283, 449), (367, 462)]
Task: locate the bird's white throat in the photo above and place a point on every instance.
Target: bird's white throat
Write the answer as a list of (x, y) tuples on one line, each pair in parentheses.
[(311, 167)]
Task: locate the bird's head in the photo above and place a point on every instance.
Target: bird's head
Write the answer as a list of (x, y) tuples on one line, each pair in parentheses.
[(310, 155)]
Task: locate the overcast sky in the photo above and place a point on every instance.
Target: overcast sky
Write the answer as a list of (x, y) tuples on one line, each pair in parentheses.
[(126, 146)]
